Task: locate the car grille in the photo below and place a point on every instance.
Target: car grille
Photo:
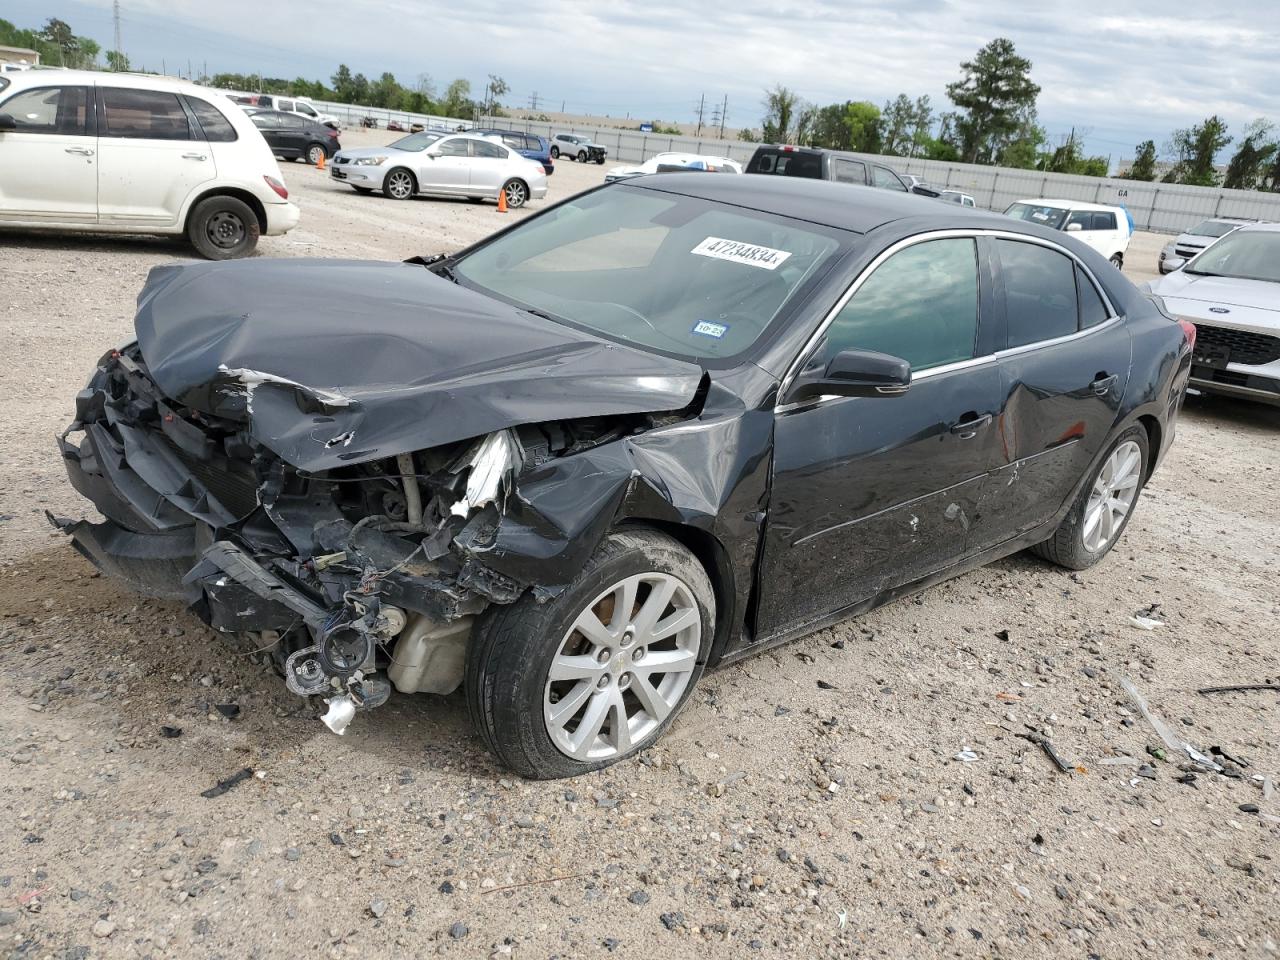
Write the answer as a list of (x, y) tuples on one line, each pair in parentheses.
[(1186, 253), (1244, 347), (235, 489)]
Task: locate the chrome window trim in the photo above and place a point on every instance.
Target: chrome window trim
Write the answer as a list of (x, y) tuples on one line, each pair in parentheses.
[(794, 369)]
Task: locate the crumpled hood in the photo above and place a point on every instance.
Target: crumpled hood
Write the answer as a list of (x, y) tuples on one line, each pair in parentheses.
[(1221, 300), (341, 361)]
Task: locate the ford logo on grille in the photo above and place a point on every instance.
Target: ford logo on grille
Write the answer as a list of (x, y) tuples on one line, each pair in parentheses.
[(1219, 310)]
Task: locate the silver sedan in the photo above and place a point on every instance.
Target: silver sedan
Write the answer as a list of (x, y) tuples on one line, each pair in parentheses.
[(441, 164)]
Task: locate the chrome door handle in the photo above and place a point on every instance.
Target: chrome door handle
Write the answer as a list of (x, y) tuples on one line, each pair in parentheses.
[(194, 156), (968, 429), (80, 151), (1102, 386)]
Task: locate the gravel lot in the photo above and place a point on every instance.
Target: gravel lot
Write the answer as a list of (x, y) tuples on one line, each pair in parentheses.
[(808, 802)]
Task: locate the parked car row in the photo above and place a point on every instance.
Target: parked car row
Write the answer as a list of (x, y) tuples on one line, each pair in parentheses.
[(300, 106), (294, 137)]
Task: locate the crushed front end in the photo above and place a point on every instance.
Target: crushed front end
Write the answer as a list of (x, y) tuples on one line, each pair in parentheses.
[(353, 578)]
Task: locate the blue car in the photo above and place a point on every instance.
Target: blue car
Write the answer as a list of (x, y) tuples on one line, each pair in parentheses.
[(526, 144)]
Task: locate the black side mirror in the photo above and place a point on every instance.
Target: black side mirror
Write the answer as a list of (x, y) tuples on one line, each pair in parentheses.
[(924, 191), (7, 122), (854, 373)]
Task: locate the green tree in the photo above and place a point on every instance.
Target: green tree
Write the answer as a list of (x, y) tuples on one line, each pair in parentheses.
[(117, 61), (898, 126), (921, 124), (1196, 149), (1253, 158), (341, 81), (58, 34), (1144, 162), (495, 88), (993, 95), (1023, 147), (385, 92), (89, 50), (457, 100), (780, 108)]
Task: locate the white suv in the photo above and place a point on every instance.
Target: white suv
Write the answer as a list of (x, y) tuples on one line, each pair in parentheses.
[(1104, 228), (121, 153), (302, 106)]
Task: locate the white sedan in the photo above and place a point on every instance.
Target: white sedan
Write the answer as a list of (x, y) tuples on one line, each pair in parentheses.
[(444, 165), (669, 162)]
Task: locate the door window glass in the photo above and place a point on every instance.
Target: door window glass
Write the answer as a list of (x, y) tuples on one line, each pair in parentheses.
[(921, 305), (304, 109), (294, 122), (1104, 221), (887, 179), (144, 115), (52, 110), (483, 148), (850, 171), (453, 147), (1040, 292), (1081, 218), (217, 128), (1092, 310), (284, 105), (266, 121)]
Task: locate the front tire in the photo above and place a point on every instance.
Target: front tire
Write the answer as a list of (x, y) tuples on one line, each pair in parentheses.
[(1103, 508), (399, 184), (223, 228), (597, 673), (582, 156), (555, 153), (1117, 261)]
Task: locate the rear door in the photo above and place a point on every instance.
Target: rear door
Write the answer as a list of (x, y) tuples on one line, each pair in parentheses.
[(48, 164), (844, 170), (870, 493), (273, 131), (490, 163), (151, 157), (1064, 367)]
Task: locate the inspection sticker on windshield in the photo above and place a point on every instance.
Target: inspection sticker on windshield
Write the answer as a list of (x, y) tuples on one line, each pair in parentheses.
[(766, 258), (709, 329)]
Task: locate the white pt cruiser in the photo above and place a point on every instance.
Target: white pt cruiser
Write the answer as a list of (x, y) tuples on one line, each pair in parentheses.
[(119, 153)]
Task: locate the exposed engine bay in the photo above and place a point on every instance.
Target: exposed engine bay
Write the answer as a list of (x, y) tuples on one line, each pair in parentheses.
[(353, 578)]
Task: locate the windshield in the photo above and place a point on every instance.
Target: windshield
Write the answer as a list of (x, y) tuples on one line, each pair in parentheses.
[(1051, 217), (1252, 255), (416, 142), (1212, 228), (680, 275)]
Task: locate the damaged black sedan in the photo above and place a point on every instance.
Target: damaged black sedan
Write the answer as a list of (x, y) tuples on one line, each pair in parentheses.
[(660, 426)]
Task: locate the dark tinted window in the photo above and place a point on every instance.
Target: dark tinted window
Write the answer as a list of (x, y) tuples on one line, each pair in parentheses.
[(144, 115), (216, 127), (1092, 310), (53, 110), (1104, 221), (266, 121), (284, 104), (848, 171), (787, 163), (1040, 292), (513, 140), (1081, 218), (887, 179), (921, 305), (483, 148), (454, 147)]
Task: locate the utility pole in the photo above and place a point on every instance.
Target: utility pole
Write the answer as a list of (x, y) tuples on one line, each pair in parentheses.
[(115, 16), (533, 100), (702, 104), (724, 114)]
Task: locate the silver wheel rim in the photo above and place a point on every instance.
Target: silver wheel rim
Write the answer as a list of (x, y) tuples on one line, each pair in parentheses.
[(515, 193), (1112, 496), (400, 184), (314, 155), (622, 667)]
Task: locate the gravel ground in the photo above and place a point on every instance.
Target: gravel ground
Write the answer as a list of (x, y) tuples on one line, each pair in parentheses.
[(808, 803)]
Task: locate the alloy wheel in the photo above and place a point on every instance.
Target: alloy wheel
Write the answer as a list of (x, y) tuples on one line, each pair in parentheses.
[(400, 184), (516, 194), (225, 230), (1112, 496), (314, 155), (622, 667)]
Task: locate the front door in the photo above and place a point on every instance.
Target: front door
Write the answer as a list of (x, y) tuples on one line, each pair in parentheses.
[(1064, 366), (447, 167), (48, 162), (151, 157), (872, 493)]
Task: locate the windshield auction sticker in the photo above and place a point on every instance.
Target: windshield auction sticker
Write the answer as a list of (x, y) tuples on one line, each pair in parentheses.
[(766, 258)]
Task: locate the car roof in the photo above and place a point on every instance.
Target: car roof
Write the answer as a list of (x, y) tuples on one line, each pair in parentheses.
[(1070, 204), (144, 81), (851, 207), (1250, 227)]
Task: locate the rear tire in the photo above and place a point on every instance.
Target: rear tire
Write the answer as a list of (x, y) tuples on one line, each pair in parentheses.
[(315, 152), (223, 228), (1117, 261), (555, 153), (517, 192), (1074, 544), (510, 689)]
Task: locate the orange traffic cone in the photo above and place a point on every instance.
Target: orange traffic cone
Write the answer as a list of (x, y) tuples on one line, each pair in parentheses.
[(320, 161), (502, 201)]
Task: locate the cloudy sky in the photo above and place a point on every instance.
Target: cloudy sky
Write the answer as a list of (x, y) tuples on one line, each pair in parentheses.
[(1118, 72)]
